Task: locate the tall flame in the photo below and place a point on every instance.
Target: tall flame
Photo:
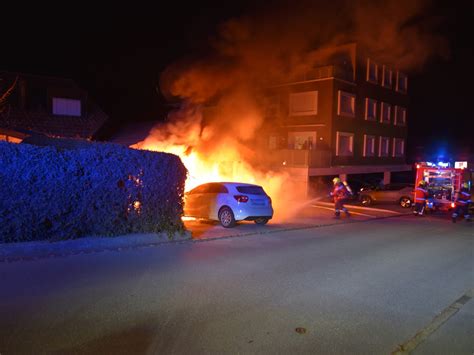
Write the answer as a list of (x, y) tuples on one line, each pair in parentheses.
[(210, 154)]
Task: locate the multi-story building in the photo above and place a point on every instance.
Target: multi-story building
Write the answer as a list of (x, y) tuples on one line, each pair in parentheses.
[(55, 107), (347, 115)]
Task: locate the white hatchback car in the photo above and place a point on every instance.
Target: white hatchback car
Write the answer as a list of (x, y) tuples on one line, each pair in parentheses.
[(229, 202)]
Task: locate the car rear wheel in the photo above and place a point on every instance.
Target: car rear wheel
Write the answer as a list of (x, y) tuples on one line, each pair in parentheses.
[(226, 217), (261, 221), (366, 200), (405, 202)]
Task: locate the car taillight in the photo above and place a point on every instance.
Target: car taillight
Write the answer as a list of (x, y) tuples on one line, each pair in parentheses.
[(241, 198)]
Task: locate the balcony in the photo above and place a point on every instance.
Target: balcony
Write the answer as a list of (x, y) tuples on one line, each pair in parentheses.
[(328, 71), (300, 158)]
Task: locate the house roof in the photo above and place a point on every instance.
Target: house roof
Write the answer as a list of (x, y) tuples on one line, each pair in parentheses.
[(33, 113), (133, 133)]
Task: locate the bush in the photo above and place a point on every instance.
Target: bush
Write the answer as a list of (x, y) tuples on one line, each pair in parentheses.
[(104, 189)]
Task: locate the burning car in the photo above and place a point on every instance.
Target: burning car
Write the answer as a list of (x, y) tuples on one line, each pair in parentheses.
[(229, 202)]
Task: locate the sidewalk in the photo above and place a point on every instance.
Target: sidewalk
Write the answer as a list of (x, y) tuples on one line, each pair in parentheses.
[(316, 214), (25, 251)]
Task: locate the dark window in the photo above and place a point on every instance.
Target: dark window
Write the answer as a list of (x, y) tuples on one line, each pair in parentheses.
[(199, 190), (252, 190)]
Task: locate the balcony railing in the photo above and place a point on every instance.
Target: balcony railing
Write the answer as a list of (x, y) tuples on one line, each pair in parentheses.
[(300, 158), (328, 71)]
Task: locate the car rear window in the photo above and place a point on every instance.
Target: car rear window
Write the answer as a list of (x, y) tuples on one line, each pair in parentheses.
[(217, 189), (252, 190)]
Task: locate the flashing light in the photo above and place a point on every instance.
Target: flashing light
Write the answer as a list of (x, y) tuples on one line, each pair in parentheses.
[(418, 166), (443, 165), (460, 164), (453, 204)]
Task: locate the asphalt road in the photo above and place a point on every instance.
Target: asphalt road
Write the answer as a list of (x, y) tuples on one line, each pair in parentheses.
[(363, 287)]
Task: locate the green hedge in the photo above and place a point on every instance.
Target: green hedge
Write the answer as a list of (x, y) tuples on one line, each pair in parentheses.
[(98, 189)]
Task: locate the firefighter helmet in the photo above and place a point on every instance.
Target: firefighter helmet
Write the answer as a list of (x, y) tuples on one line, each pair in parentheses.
[(422, 183), (336, 180), (465, 185)]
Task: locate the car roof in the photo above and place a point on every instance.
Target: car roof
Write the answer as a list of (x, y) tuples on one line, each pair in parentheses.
[(228, 183)]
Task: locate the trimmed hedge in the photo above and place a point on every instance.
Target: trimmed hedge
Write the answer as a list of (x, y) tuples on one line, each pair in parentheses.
[(104, 189)]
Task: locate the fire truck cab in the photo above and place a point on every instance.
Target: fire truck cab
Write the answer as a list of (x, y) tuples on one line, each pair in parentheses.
[(442, 183)]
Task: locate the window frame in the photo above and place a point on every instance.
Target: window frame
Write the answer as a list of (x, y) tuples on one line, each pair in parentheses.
[(364, 152), (376, 81), (61, 102), (397, 88), (380, 147), (395, 120), (386, 69), (303, 113), (351, 142), (382, 105), (366, 117), (352, 96), (395, 139)]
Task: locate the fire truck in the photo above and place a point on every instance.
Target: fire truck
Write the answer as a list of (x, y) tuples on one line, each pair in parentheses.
[(442, 182)]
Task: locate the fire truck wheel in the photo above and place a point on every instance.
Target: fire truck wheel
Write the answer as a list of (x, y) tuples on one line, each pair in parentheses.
[(226, 217), (405, 202), (366, 200)]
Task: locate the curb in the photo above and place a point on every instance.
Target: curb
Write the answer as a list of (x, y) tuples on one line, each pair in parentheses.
[(12, 259)]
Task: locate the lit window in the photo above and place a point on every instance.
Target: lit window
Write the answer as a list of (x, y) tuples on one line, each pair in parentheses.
[(386, 77), (370, 109), (385, 111), (66, 107), (346, 104), (402, 82), (384, 146), (304, 103), (372, 71), (301, 140), (344, 144), (369, 146), (398, 147), (400, 116)]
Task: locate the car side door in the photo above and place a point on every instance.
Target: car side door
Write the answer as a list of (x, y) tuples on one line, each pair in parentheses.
[(390, 193)]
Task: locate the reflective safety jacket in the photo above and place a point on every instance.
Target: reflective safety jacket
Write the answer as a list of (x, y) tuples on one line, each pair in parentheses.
[(420, 194), (339, 192), (463, 197)]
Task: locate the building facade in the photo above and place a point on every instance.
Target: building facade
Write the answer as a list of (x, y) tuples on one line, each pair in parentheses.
[(346, 115)]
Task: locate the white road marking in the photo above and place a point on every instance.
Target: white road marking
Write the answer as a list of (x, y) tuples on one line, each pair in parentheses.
[(437, 322), (362, 208), (351, 212)]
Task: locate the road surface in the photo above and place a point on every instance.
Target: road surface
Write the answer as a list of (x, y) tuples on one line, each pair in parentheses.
[(364, 287)]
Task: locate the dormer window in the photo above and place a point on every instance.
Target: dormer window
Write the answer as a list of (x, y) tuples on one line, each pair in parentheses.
[(66, 107)]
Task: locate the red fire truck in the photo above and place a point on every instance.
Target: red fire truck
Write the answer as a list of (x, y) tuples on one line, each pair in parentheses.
[(442, 183)]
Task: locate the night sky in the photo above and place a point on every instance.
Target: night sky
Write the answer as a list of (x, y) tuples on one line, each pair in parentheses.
[(118, 52)]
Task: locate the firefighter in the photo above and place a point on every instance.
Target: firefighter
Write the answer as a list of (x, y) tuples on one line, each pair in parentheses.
[(340, 193), (462, 200), (421, 195)]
